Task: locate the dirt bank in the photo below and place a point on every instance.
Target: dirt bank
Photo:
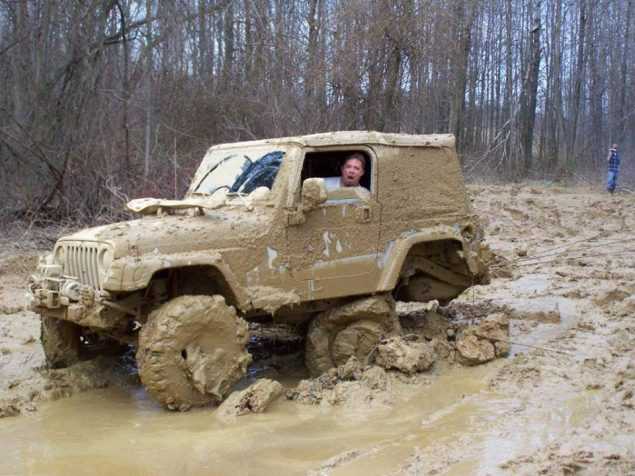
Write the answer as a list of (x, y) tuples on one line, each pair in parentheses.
[(561, 402)]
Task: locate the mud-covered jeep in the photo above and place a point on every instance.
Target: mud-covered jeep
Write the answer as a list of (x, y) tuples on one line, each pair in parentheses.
[(258, 237)]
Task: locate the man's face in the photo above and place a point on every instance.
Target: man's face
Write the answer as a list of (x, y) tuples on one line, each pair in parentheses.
[(352, 171)]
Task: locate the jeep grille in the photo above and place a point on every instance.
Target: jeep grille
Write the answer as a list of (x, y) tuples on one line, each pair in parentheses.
[(81, 261)]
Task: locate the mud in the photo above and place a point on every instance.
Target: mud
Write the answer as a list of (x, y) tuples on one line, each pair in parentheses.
[(25, 381), (560, 403), (485, 341), (254, 399), (202, 334), (354, 385), (271, 299), (407, 357), (313, 193)]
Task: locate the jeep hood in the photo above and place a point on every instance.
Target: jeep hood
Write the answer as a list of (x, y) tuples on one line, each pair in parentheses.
[(178, 233)]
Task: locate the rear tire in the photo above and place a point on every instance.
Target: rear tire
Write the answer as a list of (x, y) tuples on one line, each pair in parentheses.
[(353, 329)]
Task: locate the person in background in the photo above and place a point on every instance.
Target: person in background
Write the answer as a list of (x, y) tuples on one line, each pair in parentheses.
[(613, 160)]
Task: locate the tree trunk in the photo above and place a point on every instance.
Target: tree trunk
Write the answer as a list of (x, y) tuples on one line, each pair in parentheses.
[(464, 22), (147, 86), (577, 88), (529, 102)]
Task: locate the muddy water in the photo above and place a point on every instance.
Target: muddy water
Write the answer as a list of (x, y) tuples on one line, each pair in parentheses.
[(454, 425), (120, 431)]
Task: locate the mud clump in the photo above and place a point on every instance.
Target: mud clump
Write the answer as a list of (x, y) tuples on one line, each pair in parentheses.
[(425, 321), (473, 351), (484, 342), (311, 391), (254, 399), (351, 370), (271, 299), (341, 384), (375, 378), (396, 361), (407, 357)]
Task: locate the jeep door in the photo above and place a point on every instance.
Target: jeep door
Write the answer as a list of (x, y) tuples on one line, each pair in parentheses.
[(333, 253)]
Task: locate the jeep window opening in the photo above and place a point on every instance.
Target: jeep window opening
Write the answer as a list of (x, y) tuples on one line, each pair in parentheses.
[(323, 164)]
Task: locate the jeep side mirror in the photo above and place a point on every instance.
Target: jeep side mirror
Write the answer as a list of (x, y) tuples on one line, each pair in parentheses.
[(313, 193)]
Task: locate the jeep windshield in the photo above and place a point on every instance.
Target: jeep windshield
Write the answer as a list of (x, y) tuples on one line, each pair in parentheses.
[(238, 171)]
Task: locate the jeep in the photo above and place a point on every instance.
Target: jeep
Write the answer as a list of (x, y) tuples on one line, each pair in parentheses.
[(258, 237)]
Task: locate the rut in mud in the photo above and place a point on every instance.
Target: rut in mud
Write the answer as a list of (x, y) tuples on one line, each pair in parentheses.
[(560, 402)]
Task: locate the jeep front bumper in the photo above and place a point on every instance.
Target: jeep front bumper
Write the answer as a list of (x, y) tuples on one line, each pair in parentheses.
[(51, 294)]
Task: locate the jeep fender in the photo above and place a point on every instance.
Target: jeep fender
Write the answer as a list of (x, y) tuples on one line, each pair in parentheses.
[(394, 255), (136, 273)]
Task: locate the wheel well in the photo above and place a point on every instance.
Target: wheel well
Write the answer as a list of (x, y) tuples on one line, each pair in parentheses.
[(443, 252), (199, 279), (441, 261)]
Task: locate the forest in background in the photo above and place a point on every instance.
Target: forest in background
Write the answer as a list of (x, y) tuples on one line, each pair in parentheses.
[(105, 100)]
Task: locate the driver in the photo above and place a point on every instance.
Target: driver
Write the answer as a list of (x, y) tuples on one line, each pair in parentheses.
[(351, 171)]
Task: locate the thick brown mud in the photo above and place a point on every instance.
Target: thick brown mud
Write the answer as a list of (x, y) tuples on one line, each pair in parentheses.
[(562, 402)]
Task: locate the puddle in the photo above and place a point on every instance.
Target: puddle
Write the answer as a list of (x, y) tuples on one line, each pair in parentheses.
[(530, 296), (120, 431), (454, 420), (544, 332)]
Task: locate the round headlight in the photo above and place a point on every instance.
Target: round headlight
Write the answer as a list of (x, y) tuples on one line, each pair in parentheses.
[(105, 258), (72, 290), (59, 254)]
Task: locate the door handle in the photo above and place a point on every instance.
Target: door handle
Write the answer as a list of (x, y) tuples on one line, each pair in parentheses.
[(364, 214)]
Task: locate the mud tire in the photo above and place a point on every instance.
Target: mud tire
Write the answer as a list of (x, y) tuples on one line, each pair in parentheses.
[(353, 329), (192, 351), (60, 341)]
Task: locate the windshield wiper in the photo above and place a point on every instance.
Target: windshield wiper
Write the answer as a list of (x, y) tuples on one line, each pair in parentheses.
[(214, 168), (210, 171)]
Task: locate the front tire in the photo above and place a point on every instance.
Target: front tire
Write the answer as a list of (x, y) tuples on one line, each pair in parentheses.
[(192, 351), (60, 342)]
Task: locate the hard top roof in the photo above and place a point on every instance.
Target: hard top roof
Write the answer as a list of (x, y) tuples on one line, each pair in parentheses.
[(354, 138)]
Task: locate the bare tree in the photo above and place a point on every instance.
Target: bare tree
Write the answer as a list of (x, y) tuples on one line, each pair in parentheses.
[(94, 92)]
